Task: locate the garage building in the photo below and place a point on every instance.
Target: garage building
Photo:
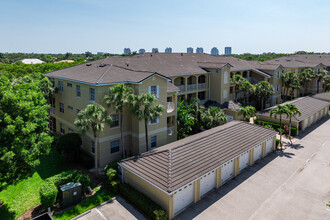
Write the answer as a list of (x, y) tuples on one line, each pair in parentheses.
[(311, 109), (325, 96), (182, 172)]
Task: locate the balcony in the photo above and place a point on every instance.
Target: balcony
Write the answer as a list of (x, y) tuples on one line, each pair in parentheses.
[(51, 110), (191, 87), (170, 107), (170, 130), (201, 86), (182, 88)]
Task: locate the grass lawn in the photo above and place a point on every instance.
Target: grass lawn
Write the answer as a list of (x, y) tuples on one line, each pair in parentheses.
[(102, 195), (25, 194)]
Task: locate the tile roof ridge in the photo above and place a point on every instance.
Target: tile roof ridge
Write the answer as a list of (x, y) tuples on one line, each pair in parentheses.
[(105, 72), (169, 180), (125, 68)]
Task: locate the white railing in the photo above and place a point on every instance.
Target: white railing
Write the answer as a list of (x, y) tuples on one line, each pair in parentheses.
[(201, 85), (170, 107), (182, 88), (170, 130), (191, 87)]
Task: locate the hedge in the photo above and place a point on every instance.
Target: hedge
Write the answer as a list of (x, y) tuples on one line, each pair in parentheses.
[(276, 126), (86, 160), (142, 202), (48, 193)]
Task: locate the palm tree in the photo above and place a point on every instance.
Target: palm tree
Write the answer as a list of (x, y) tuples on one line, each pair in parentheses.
[(119, 98), (287, 79), (295, 85), (279, 111), (320, 78), (213, 117), (246, 87), (236, 81), (293, 111), (263, 90), (247, 112), (326, 84), (93, 117), (305, 77), (144, 107)]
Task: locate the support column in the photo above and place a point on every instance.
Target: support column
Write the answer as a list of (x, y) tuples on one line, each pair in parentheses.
[(309, 121), (218, 177), (197, 190), (236, 166), (264, 149), (170, 207), (251, 156), (185, 84)]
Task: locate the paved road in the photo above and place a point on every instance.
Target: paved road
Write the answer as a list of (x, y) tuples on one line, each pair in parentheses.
[(293, 184), (115, 209)]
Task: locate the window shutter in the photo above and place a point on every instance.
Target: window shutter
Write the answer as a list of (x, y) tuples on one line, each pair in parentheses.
[(157, 119), (150, 90), (157, 92)]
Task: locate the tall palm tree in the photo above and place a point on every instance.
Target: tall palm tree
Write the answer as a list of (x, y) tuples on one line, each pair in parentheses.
[(295, 85), (119, 98), (93, 117), (145, 107), (320, 78), (213, 117), (246, 87), (287, 79), (293, 111), (236, 81), (279, 111), (305, 77), (247, 112), (263, 90)]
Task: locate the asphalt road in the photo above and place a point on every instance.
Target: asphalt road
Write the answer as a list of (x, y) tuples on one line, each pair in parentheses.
[(293, 184)]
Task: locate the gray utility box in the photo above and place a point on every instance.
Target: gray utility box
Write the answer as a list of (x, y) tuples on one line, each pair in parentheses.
[(70, 194)]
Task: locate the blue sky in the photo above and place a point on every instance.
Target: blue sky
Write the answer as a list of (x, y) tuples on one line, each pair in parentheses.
[(255, 26)]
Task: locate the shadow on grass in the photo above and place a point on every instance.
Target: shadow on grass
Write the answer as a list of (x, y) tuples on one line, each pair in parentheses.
[(5, 213)]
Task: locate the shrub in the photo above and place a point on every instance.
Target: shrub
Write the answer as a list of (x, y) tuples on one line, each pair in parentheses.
[(114, 185), (268, 126), (276, 126), (112, 165), (142, 202), (70, 176), (86, 160), (48, 193), (111, 174), (277, 142)]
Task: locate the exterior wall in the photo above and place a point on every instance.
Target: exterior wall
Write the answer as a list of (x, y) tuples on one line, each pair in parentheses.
[(219, 89), (284, 121), (274, 81)]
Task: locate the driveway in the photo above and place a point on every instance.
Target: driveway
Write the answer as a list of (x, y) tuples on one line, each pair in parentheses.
[(116, 208), (293, 184)]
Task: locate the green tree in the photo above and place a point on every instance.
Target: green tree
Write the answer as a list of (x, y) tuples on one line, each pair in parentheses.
[(69, 144), (145, 107), (246, 87), (263, 90), (236, 81), (326, 84), (185, 120), (247, 112), (287, 80), (213, 117), (88, 54), (305, 77), (119, 99), (292, 111), (23, 128), (279, 111), (320, 79), (94, 117)]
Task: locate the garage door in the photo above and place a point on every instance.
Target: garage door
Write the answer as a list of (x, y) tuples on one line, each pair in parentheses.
[(321, 113), (317, 117), (269, 145), (305, 123), (257, 152), (208, 182), (311, 119), (183, 197), (227, 171), (229, 118), (244, 160)]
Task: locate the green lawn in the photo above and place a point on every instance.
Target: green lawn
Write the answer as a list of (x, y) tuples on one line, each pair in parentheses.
[(25, 194), (102, 195)]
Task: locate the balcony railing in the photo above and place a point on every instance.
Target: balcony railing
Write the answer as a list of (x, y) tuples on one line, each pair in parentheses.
[(191, 87), (182, 88), (201, 85), (170, 130), (51, 110), (170, 107)]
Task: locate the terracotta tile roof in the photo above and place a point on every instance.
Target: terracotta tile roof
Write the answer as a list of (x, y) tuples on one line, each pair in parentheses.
[(323, 96), (307, 106), (179, 163)]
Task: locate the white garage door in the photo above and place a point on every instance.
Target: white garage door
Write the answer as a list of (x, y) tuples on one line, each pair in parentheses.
[(269, 145), (208, 182), (244, 160), (227, 171), (229, 118), (321, 113), (257, 152), (183, 197), (311, 119), (305, 123)]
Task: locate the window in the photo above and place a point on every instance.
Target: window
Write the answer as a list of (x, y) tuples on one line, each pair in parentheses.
[(78, 91), (114, 146), (293, 70), (217, 71), (182, 81), (61, 107), (244, 74), (92, 94), (78, 111), (278, 75), (153, 141), (115, 119), (277, 88), (154, 121), (70, 108), (225, 77), (231, 90), (154, 90), (70, 130), (69, 84), (225, 94), (93, 147), (62, 130), (60, 86)]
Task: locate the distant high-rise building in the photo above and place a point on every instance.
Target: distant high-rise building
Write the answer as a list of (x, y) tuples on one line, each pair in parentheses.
[(214, 51), (127, 50), (190, 50), (168, 50), (100, 53), (142, 51), (227, 50), (199, 50), (154, 50)]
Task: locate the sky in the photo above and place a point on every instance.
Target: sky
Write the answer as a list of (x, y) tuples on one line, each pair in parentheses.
[(77, 26)]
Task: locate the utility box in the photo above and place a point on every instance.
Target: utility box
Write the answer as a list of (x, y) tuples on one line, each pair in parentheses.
[(70, 194)]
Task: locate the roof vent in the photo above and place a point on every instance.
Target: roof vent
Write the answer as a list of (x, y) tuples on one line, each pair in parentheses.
[(102, 65), (151, 55), (127, 64), (88, 64)]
